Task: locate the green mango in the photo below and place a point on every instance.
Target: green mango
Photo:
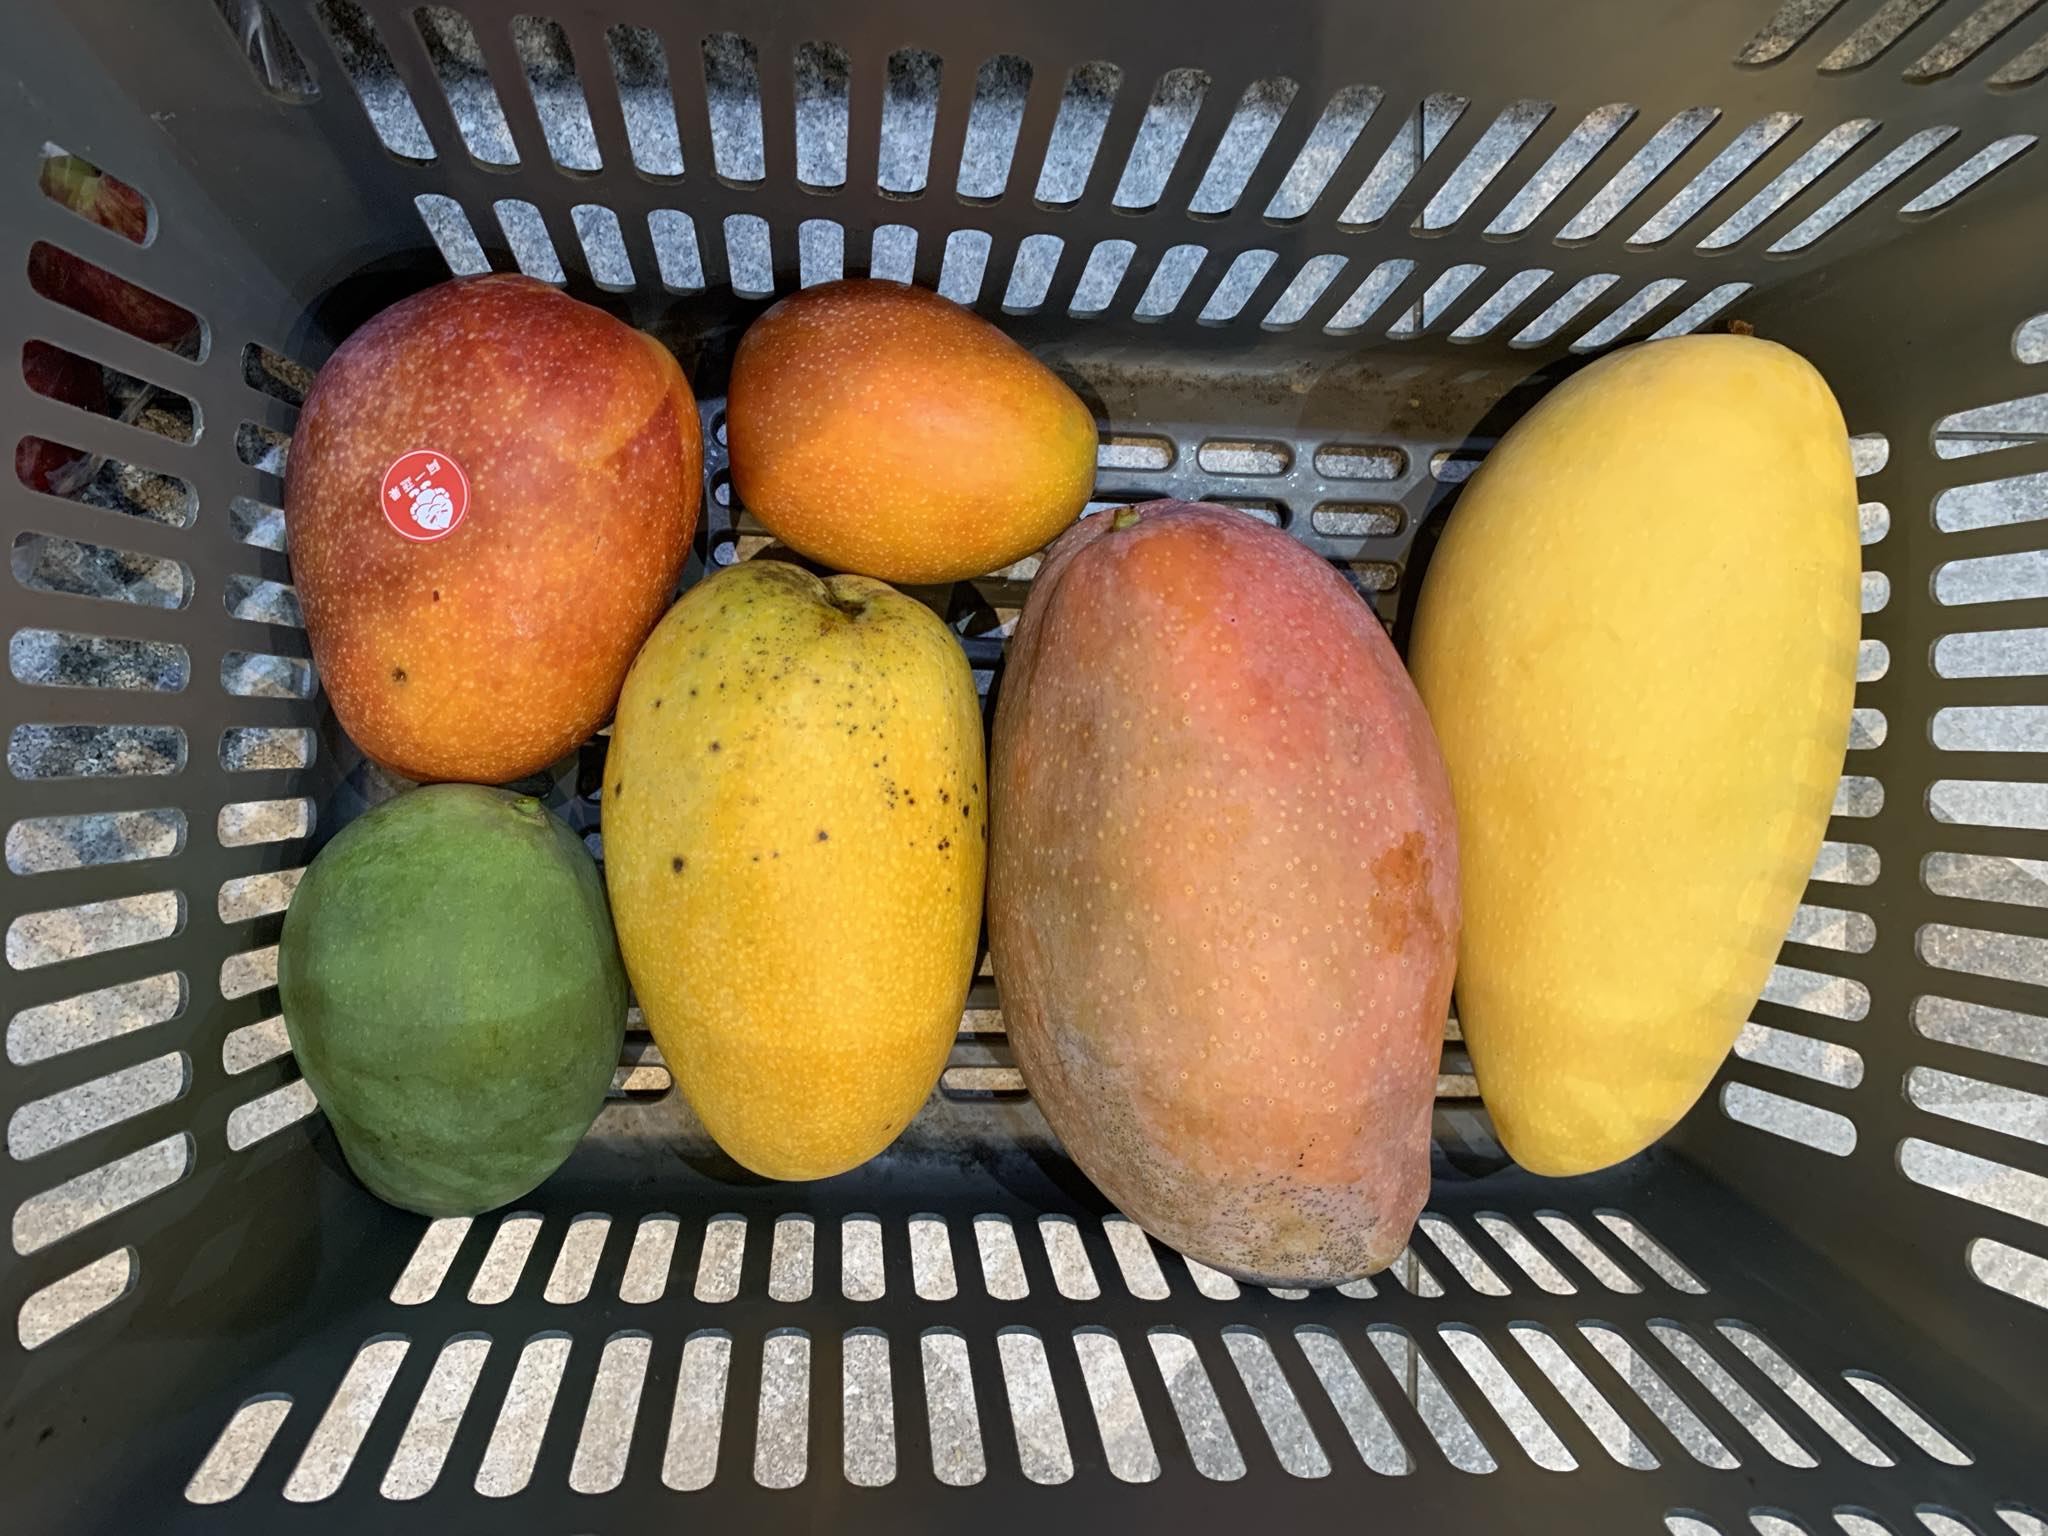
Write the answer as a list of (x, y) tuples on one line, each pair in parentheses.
[(453, 989)]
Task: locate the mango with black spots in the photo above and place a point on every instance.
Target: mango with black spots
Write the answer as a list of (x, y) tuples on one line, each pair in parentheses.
[(489, 497), (453, 991), (1638, 642), (884, 429), (795, 826), (1223, 894)]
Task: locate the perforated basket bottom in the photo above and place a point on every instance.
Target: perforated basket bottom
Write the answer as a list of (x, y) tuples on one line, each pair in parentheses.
[(677, 1343)]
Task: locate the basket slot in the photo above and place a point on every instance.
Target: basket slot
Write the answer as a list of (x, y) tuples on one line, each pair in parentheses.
[(1448, 134), (1004, 88), (1717, 1376), (1631, 316), (563, 134), (1501, 305), (1976, 1101), (1496, 149), (1592, 1261), (1735, 163), (1477, 1275), (1965, 174), (526, 1409), (1359, 1413), (1573, 150), (790, 1258), (1059, 143), (460, 70), (933, 1276), (1841, 202), (1243, 166), (644, 137), (1653, 1389), (1619, 1423), (2012, 1270), (1119, 1410), (1800, 1054), (1988, 1064), (1192, 1405), (240, 1450), (421, 1452), (2023, 68), (1812, 163), (950, 1426), (1427, 1404), (439, 1246), (1242, 1408), (696, 1438), (1324, 1426), (128, 447), (338, 1435), (63, 1304), (1996, 1170), (418, 78), (1323, 155), (1514, 1244), (605, 1438), (1876, 36), (1671, 143), (1508, 1401), (82, 1204), (1824, 1411), (963, 265), (1563, 308), (1438, 302), (576, 1261)]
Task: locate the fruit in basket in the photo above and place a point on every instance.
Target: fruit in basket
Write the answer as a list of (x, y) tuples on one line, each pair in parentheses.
[(41, 464), (883, 429), (490, 496), (454, 994), (1638, 643), (1223, 894), (795, 830), (89, 288)]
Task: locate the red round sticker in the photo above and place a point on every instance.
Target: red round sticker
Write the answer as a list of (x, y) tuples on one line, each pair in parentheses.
[(424, 495)]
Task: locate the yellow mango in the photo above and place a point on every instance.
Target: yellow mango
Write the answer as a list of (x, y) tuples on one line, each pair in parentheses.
[(1637, 642), (795, 829)]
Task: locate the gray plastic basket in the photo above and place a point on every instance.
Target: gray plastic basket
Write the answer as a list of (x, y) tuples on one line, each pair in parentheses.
[(1308, 258)]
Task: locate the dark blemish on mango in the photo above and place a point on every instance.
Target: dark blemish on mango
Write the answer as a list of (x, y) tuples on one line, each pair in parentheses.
[(1400, 901), (822, 836), (677, 863), (715, 747), (945, 843), (657, 702), (437, 594), (618, 789), (398, 674)]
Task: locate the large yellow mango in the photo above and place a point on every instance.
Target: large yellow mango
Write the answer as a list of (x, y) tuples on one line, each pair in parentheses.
[(1637, 642), (795, 830)]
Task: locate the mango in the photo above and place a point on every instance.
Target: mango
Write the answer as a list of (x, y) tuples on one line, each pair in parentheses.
[(795, 830), (883, 429), (1637, 640), (1223, 895), (453, 992), (490, 495)]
